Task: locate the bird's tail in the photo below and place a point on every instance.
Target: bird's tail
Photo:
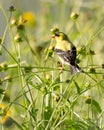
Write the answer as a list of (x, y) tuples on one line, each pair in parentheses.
[(74, 69)]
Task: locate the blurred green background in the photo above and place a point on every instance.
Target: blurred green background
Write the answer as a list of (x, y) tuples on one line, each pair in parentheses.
[(29, 70), (49, 13)]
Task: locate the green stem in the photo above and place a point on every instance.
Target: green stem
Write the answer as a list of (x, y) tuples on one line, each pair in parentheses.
[(8, 25), (57, 105), (61, 80)]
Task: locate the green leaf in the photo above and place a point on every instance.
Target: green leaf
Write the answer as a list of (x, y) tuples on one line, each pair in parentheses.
[(75, 125), (102, 83), (47, 114), (34, 112), (37, 86), (96, 106), (1, 91), (77, 87)]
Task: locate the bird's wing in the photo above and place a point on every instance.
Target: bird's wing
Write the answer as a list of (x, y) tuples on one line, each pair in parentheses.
[(68, 56), (72, 54)]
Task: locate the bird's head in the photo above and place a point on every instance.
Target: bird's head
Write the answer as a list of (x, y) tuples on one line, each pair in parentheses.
[(60, 36)]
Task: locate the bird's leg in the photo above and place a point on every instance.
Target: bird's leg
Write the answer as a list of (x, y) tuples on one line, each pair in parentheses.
[(61, 66)]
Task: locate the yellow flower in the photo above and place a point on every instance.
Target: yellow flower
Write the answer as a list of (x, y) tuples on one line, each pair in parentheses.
[(30, 18), (4, 113)]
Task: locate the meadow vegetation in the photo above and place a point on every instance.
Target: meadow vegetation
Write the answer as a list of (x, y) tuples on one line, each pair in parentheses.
[(34, 93)]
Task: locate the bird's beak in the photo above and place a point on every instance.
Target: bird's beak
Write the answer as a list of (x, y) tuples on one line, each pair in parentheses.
[(53, 36)]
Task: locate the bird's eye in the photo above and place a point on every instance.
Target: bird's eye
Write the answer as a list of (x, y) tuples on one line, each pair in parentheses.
[(57, 35)]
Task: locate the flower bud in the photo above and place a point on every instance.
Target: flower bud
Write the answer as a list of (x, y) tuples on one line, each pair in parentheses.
[(92, 70), (88, 100), (74, 16), (11, 8), (17, 38), (8, 77)]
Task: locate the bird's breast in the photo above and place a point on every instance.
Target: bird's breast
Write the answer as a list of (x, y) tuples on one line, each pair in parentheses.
[(63, 45)]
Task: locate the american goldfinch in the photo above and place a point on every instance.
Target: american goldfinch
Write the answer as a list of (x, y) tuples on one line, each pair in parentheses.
[(65, 50)]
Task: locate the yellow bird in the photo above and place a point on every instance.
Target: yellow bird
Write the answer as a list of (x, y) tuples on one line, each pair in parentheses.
[(66, 51)]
